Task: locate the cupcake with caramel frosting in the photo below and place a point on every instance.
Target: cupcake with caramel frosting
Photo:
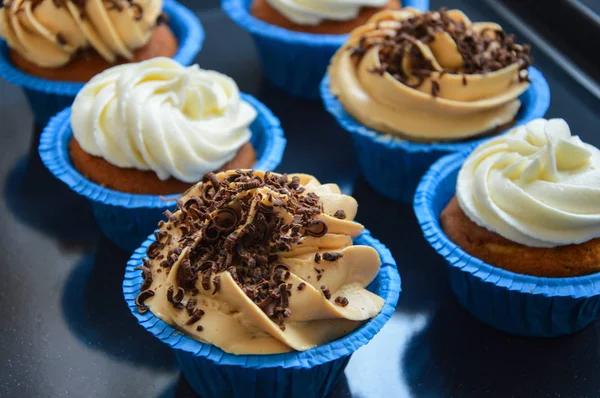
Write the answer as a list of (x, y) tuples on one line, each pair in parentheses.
[(432, 76), (261, 263), (51, 47), (75, 40), (412, 86)]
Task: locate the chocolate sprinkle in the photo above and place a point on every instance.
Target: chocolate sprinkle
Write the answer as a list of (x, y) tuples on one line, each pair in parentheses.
[(326, 292), (61, 39), (341, 301), (199, 328), (317, 258), (301, 286), (141, 298), (217, 282), (340, 214), (331, 257), (435, 89), (196, 316)]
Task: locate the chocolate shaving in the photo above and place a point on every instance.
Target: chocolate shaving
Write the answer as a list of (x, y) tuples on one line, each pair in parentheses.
[(175, 298), (435, 89), (147, 275), (331, 257), (341, 301), (61, 39), (163, 19), (141, 298), (317, 228), (138, 11), (326, 292), (340, 214), (191, 306), (196, 316), (217, 282)]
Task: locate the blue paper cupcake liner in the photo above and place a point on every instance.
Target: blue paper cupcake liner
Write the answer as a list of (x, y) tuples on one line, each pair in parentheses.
[(394, 167), (127, 219), (313, 373), (292, 61), (48, 97), (515, 303)]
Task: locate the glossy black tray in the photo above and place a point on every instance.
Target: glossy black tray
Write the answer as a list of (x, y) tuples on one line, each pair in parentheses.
[(65, 329)]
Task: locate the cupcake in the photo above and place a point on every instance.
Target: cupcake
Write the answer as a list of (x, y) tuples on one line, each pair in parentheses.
[(296, 38), (260, 270), (519, 222), (139, 131), (412, 85), (52, 45), (317, 16)]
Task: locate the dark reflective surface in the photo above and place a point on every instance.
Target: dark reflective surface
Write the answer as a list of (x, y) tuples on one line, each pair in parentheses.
[(67, 332)]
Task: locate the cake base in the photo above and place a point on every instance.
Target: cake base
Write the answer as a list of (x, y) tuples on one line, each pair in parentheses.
[(83, 67), (556, 262), (137, 181), (262, 10)]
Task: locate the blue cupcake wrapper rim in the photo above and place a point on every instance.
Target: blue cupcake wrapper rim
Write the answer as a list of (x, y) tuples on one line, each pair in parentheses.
[(539, 91), (298, 360), (189, 46), (574, 287), (54, 154), (238, 11)]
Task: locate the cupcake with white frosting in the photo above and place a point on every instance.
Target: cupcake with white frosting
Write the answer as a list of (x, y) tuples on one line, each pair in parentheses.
[(297, 38), (519, 222), (52, 47), (139, 131), (157, 127), (319, 16)]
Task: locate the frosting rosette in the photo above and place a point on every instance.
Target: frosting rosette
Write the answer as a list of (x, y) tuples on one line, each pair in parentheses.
[(50, 32), (259, 263), (430, 76), (538, 186), (158, 115), (313, 12)]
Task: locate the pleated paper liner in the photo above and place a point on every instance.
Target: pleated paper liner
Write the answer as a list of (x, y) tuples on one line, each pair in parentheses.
[(514, 303), (313, 373), (48, 97), (295, 62), (394, 167), (127, 219)]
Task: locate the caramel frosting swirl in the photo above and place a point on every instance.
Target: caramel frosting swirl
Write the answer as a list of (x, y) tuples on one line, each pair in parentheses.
[(261, 263), (430, 76), (50, 32)]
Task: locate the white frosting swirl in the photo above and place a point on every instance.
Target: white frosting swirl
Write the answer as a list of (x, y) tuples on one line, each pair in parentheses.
[(158, 115), (537, 185), (313, 12)]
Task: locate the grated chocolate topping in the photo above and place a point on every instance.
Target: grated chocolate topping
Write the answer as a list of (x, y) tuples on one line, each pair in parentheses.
[(239, 222), (481, 52)]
